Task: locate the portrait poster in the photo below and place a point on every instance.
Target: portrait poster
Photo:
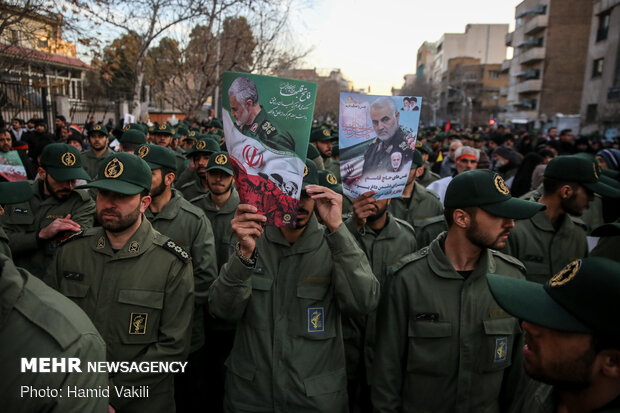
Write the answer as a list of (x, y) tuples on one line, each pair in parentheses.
[(377, 136), (267, 123), (11, 167)]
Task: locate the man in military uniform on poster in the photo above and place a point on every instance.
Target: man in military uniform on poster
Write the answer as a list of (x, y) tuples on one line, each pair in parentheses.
[(390, 137), (572, 337), (135, 284), (417, 205), (92, 158), (384, 239), (286, 288), (252, 120), (188, 227), (549, 240), (56, 211), (443, 344)]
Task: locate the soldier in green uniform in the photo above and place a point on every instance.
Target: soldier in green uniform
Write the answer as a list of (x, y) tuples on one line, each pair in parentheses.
[(193, 181), (287, 288), (188, 227), (314, 155), (36, 322), (36, 227), (163, 135), (416, 204), (134, 283), (131, 139), (572, 337), (443, 343), (551, 239), (99, 150), (426, 176), (220, 204), (252, 120), (608, 245), (11, 193), (322, 138), (384, 239)]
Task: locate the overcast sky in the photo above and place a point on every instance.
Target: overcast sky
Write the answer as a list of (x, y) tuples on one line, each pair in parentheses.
[(375, 42)]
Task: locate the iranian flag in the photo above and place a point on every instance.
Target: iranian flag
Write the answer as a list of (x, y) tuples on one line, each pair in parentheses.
[(269, 179)]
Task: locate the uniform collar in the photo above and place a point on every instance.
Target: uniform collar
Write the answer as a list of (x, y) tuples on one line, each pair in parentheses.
[(438, 261), (229, 206), (310, 239), (542, 222), (390, 230), (170, 210), (418, 192), (260, 117), (90, 154), (139, 242)]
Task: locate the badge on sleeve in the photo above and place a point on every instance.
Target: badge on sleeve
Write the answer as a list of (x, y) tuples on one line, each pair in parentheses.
[(316, 319), (501, 348)]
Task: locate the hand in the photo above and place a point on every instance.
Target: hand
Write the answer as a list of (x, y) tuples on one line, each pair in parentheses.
[(248, 227), (363, 207), (328, 204), (111, 409), (59, 225)]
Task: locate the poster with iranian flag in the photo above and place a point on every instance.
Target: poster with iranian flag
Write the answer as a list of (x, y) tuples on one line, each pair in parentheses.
[(267, 123)]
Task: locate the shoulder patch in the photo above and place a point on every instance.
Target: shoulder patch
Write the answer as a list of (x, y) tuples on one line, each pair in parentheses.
[(421, 223), (268, 129), (579, 222), (83, 193), (409, 258), (192, 209), (177, 250), (510, 259)]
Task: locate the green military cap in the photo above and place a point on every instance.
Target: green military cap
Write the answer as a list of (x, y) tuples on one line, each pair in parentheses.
[(135, 126), (163, 129), (191, 135), (216, 123), (157, 156), (14, 192), (423, 147), (99, 129), (612, 173), (606, 230), (63, 162), (487, 190), (204, 145), (417, 160), (150, 129), (313, 152), (321, 134), (124, 173), (329, 180), (134, 136), (311, 176), (221, 161), (182, 130), (573, 168), (584, 297)]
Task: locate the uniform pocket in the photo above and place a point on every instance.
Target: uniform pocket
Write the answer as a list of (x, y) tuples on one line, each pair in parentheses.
[(430, 347), (258, 312), (73, 289), (325, 383), (499, 337), (313, 315), (138, 313)]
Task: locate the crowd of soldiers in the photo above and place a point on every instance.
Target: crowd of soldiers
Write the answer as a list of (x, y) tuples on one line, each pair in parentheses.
[(490, 285)]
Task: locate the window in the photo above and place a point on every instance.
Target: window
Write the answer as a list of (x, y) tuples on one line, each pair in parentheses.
[(42, 42), (494, 74), (591, 113), (597, 68), (603, 26)]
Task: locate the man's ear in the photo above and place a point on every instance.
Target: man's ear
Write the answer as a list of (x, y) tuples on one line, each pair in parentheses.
[(611, 363), (169, 178), (566, 191), (461, 218)]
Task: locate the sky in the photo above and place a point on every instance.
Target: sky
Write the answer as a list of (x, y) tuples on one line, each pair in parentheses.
[(375, 42)]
